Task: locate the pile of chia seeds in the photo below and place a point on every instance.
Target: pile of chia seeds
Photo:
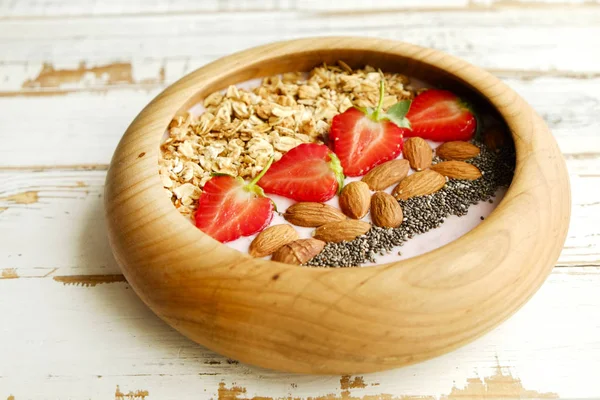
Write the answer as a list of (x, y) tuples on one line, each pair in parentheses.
[(424, 213)]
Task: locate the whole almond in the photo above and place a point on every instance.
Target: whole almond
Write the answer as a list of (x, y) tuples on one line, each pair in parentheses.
[(299, 251), (418, 153), (457, 170), (387, 174), (495, 137), (385, 210), (458, 150), (271, 239), (312, 214), (339, 231), (419, 184), (355, 199)]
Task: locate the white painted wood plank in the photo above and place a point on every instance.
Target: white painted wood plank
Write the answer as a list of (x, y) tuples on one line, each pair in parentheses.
[(81, 128), (37, 8), (358, 5), (535, 39), (80, 342), (53, 223), (85, 127), (38, 205)]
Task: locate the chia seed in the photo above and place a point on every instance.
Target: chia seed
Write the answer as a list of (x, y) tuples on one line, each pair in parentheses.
[(424, 213)]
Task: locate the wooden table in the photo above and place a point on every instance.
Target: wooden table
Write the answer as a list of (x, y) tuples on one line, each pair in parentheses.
[(73, 74)]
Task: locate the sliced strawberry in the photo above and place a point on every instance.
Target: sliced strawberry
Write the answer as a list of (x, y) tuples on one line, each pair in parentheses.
[(442, 116), (308, 172), (363, 139), (361, 143), (228, 208)]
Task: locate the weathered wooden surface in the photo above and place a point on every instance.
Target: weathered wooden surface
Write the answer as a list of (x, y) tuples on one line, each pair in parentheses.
[(71, 328), (80, 340)]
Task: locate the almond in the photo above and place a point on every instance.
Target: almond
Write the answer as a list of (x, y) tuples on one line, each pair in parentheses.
[(419, 184), (495, 137), (385, 210), (299, 251), (457, 170), (312, 214), (340, 231), (457, 151), (418, 153), (271, 239), (387, 174), (355, 199)]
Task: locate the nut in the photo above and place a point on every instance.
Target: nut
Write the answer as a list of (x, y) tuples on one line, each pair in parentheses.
[(457, 170), (355, 199), (299, 251), (419, 184), (418, 153), (458, 150), (271, 239), (340, 231), (385, 211), (387, 174), (312, 214), (495, 137)]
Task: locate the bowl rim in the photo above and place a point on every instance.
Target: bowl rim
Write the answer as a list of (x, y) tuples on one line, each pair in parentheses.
[(137, 210)]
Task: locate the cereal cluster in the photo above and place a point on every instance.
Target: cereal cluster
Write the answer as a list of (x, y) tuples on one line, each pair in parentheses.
[(241, 129)]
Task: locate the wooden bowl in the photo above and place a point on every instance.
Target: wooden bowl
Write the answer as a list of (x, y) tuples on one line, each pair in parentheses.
[(316, 320)]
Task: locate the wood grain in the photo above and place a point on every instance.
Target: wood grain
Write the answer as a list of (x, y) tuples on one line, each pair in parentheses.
[(527, 39), (348, 320)]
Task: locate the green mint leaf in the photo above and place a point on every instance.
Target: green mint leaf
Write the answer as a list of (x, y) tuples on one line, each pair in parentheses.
[(397, 114), (336, 167)]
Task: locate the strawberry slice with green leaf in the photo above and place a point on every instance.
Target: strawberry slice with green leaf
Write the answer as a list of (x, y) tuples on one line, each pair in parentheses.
[(441, 116), (308, 172), (365, 138), (228, 208)]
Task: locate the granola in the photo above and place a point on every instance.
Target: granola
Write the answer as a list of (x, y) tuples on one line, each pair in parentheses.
[(241, 129)]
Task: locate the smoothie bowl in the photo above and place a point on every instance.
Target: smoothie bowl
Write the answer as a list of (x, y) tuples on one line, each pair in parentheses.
[(237, 195)]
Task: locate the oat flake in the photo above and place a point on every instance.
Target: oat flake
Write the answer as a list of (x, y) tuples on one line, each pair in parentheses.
[(241, 129)]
